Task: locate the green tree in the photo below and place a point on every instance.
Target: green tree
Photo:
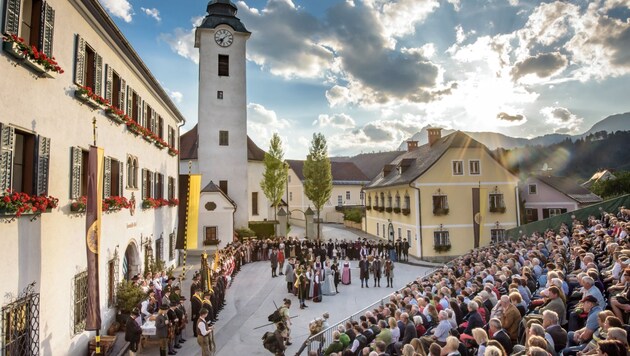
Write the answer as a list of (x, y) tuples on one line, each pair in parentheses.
[(275, 177), (613, 188), (317, 175)]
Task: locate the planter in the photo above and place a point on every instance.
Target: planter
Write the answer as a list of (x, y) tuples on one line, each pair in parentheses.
[(397, 210), (13, 49), (134, 129), (173, 152), (389, 209), (159, 145), (148, 138), (440, 211), (406, 211), (499, 210), (82, 96), (368, 208), (39, 69), (442, 248), (78, 210), (380, 208), (113, 116)]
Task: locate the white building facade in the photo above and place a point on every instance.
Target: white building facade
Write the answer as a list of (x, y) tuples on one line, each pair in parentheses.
[(47, 124)]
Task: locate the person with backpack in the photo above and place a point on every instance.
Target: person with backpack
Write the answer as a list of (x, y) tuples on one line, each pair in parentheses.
[(274, 341)]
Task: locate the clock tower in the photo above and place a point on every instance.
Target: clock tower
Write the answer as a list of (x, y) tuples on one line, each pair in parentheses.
[(222, 128)]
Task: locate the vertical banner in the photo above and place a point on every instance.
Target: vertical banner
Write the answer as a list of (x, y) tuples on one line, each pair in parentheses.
[(483, 210), (93, 235), (192, 216), (476, 215)]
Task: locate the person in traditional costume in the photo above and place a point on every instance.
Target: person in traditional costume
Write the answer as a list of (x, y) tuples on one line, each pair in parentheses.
[(317, 287), (345, 273)]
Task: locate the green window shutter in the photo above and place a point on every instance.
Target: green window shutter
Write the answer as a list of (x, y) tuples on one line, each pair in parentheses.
[(98, 74), (79, 62), (122, 105), (11, 17), (107, 177), (7, 146), (46, 31), (140, 111), (129, 101), (43, 163), (121, 168), (109, 82), (144, 184), (144, 117), (75, 173)]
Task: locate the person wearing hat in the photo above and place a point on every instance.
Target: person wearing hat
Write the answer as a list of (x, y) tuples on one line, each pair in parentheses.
[(161, 329), (302, 287), (204, 332), (173, 327), (195, 307), (180, 310), (207, 304), (175, 294), (133, 331), (578, 339)]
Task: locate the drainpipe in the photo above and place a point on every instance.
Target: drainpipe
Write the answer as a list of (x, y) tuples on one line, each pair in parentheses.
[(418, 219), (518, 207)]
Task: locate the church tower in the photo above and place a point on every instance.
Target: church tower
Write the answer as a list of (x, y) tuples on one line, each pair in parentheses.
[(222, 151)]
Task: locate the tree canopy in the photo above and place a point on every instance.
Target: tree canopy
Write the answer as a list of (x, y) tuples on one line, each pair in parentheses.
[(317, 175)]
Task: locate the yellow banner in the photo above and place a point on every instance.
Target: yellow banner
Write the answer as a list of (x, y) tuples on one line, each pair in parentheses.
[(192, 219)]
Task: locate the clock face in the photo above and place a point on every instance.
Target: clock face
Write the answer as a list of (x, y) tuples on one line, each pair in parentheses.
[(223, 38)]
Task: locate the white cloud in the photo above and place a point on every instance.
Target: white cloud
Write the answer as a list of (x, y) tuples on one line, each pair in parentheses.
[(456, 4), (341, 121), (562, 120), (400, 17), (182, 41), (175, 95), (262, 123), (119, 8), (155, 13)]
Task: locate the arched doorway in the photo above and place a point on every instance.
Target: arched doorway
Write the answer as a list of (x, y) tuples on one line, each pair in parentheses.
[(131, 262)]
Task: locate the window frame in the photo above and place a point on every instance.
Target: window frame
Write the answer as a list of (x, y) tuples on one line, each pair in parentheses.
[(223, 65), (531, 191), (497, 235), (255, 203), (454, 165), (206, 240), (378, 229), (470, 167), (441, 238), (224, 186), (80, 293), (224, 138)]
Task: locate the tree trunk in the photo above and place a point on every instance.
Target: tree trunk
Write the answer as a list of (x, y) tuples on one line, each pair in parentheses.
[(318, 225)]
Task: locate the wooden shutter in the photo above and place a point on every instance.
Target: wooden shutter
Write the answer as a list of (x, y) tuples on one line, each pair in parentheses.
[(144, 184), (140, 111), (98, 74), (75, 173), (109, 82), (43, 163), (79, 62), (144, 116), (46, 31), (121, 168), (545, 213), (7, 146), (129, 101), (11, 16), (122, 105), (107, 177)]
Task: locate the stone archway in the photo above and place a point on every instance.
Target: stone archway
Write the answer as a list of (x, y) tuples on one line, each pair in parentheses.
[(131, 262)]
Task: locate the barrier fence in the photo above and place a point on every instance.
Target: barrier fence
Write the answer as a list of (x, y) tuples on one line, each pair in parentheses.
[(320, 341)]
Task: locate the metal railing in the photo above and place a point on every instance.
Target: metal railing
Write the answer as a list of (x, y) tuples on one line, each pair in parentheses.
[(323, 339)]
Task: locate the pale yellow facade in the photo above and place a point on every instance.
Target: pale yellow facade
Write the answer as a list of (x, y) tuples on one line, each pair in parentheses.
[(421, 223)]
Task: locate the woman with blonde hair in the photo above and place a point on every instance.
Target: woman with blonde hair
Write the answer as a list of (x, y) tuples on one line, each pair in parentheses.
[(393, 326), (492, 351), (481, 338), (452, 346), (407, 350)]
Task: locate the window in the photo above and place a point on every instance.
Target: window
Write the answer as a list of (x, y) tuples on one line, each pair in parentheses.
[(378, 230), (78, 173), (172, 137), (24, 161), (171, 188), (474, 167), (382, 199), (389, 201), (20, 325), (159, 249), (290, 196), (210, 236), (112, 177), (112, 281), (347, 195), (383, 226), (224, 65), (532, 189), (80, 301), (134, 106), (399, 233), (376, 200), (531, 215), (369, 201), (440, 205), (397, 202), (361, 195), (88, 67), (148, 184), (115, 88), (551, 212), (32, 20), (339, 200), (409, 236), (223, 185), (497, 205), (224, 138), (220, 94), (171, 246), (158, 193), (254, 203), (288, 178), (441, 238), (497, 235), (458, 168), (132, 172), (407, 202), (149, 117)]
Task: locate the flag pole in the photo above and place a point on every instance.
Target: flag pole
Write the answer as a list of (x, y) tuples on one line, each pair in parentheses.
[(98, 331)]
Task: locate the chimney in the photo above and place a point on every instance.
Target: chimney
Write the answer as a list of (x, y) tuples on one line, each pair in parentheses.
[(435, 133), (387, 169), (411, 145)]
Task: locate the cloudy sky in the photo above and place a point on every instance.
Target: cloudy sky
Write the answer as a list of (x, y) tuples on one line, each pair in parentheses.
[(370, 73)]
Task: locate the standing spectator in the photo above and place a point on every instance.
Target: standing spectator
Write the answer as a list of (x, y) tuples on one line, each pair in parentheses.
[(161, 329), (273, 258), (203, 332), (364, 271), (389, 272), (133, 332)]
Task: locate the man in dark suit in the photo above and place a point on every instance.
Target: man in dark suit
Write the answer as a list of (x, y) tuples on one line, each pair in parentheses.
[(496, 332), (376, 271), (195, 307), (273, 258), (408, 334), (364, 271), (133, 332)]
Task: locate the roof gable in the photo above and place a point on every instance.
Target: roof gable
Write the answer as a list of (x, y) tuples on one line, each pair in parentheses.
[(342, 172), (570, 188)]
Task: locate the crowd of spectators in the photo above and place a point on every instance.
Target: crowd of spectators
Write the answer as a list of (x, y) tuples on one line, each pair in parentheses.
[(564, 291)]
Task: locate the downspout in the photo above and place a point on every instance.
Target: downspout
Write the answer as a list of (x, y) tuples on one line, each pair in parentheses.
[(418, 219)]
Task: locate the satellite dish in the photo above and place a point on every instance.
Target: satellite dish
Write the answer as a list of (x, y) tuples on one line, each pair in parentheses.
[(546, 168)]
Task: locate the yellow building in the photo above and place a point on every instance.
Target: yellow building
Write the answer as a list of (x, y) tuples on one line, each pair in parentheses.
[(446, 197)]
